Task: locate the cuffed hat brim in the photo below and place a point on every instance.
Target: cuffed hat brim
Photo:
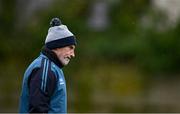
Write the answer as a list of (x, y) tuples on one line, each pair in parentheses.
[(59, 43)]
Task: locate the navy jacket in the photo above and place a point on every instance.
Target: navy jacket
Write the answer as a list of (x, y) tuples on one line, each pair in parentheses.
[(44, 87)]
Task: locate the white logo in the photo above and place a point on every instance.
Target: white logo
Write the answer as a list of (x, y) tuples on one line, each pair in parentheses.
[(61, 81)]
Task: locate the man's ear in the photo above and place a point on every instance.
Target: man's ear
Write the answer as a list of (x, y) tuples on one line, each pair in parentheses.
[(54, 50)]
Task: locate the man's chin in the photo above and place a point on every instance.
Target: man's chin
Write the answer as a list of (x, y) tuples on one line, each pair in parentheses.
[(65, 63)]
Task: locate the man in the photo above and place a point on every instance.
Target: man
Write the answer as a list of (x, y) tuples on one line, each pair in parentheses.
[(44, 87)]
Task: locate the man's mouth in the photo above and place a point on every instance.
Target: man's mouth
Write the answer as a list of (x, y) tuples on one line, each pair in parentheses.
[(68, 58)]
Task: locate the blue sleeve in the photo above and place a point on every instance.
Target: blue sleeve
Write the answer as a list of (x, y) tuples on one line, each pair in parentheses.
[(41, 87)]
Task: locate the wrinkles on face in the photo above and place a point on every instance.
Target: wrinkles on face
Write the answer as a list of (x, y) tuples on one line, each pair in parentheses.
[(65, 54)]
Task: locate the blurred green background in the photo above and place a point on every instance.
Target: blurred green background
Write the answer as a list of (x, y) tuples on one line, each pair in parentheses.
[(127, 58)]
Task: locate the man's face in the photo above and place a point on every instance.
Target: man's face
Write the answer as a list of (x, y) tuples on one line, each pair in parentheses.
[(64, 54)]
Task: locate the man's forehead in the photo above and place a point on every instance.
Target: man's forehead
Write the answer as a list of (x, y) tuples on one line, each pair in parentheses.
[(73, 46)]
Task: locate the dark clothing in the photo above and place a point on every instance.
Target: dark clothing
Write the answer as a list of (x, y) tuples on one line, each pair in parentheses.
[(44, 88)]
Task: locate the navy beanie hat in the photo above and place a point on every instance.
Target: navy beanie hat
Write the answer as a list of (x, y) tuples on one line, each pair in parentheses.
[(58, 35)]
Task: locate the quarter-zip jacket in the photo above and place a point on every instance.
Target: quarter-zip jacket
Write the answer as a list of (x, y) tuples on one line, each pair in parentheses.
[(44, 86)]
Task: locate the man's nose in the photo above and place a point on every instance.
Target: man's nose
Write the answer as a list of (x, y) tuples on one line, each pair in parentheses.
[(73, 54)]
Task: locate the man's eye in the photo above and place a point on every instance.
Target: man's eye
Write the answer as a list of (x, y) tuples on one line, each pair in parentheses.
[(71, 47)]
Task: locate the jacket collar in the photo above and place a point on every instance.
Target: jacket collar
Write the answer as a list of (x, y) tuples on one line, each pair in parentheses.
[(51, 56)]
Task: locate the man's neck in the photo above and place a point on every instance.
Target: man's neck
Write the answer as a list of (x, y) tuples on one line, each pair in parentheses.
[(52, 56)]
